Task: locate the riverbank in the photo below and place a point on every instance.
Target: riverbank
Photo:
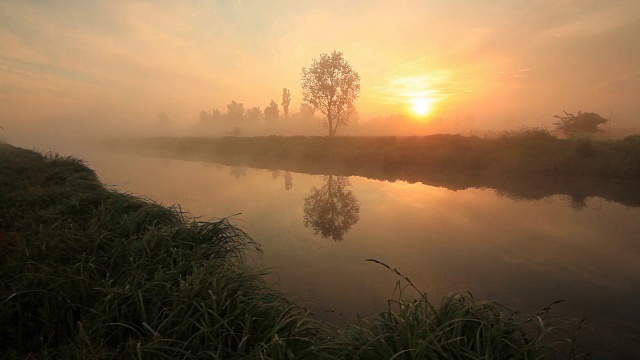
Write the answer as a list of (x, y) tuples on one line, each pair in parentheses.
[(88, 272), (524, 153)]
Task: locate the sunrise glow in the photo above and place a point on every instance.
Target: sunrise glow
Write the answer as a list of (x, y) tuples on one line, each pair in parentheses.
[(421, 106), (120, 64)]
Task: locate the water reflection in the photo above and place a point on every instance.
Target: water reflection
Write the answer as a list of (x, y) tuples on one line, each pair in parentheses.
[(524, 253), (239, 171), (288, 179), (332, 209), (575, 190)]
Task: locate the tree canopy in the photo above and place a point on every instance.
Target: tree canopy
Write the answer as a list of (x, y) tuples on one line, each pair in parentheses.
[(271, 112), (571, 125), (253, 114), (331, 86), (235, 111)]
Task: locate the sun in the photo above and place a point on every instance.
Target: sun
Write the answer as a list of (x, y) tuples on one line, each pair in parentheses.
[(421, 106)]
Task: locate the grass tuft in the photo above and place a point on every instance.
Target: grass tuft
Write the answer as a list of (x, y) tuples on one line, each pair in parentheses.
[(459, 328)]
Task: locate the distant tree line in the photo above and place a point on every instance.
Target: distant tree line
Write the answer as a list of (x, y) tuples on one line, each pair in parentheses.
[(237, 117), (329, 86)]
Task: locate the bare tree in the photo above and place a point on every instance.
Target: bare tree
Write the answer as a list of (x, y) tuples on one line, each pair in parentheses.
[(331, 86), (286, 100)]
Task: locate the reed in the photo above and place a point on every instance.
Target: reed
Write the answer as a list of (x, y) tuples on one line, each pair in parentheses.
[(459, 328)]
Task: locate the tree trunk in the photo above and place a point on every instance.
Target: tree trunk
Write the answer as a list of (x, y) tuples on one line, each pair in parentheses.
[(332, 131)]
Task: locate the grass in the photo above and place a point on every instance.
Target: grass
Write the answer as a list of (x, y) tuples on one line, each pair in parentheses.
[(530, 152), (529, 164), (459, 328), (90, 273)]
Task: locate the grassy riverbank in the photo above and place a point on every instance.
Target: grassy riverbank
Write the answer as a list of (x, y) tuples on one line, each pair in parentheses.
[(523, 153), (87, 272)]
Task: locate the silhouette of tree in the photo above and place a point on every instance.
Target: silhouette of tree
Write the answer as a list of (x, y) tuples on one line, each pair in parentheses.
[(331, 210), (271, 112), (235, 111), (209, 118), (205, 117), (331, 86), (216, 115), (585, 124), (254, 114), (286, 100)]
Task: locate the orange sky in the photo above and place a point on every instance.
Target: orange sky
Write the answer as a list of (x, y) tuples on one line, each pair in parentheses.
[(506, 64)]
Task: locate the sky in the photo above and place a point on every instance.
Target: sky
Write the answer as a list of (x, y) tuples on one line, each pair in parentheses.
[(505, 64)]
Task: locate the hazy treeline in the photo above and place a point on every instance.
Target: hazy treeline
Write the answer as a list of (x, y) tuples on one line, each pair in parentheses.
[(240, 120)]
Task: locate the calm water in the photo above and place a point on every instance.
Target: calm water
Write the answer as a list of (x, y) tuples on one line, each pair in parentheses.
[(317, 231)]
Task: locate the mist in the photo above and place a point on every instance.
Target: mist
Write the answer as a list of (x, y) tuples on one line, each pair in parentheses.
[(108, 69)]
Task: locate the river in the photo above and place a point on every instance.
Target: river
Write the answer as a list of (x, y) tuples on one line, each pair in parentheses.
[(316, 231)]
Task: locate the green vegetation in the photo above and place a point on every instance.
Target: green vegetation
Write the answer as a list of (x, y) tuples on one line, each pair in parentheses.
[(90, 273), (582, 124), (531, 152)]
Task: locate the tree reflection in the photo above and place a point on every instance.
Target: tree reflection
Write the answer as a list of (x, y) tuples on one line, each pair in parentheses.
[(239, 171), (288, 179), (332, 209)]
